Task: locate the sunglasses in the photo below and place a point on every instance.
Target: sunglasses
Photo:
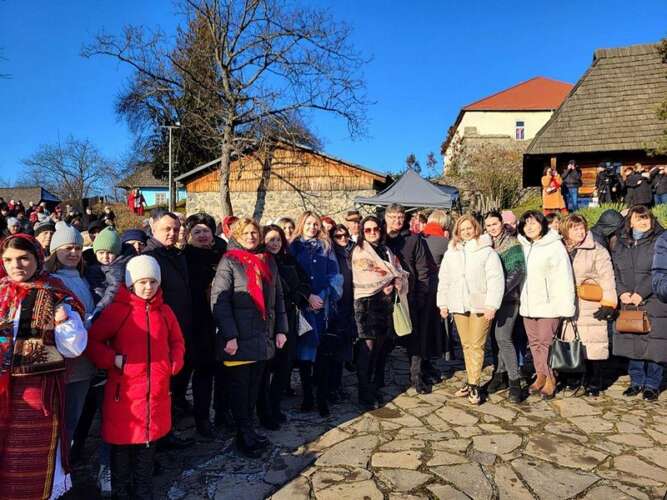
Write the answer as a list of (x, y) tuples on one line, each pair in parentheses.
[(369, 230), (340, 236)]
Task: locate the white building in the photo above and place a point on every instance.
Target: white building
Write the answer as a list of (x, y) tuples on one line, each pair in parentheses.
[(513, 114)]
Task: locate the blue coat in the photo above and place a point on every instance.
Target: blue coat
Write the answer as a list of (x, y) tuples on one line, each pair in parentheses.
[(321, 266)]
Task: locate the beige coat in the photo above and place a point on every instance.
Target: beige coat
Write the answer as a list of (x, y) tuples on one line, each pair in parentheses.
[(552, 201), (592, 262)]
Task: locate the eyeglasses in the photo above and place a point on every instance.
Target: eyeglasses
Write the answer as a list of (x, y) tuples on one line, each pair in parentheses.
[(340, 236), (369, 230)]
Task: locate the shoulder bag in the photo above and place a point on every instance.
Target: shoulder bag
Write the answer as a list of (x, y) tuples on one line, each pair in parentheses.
[(567, 356), (401, 317), (633, 321), (589, 291)]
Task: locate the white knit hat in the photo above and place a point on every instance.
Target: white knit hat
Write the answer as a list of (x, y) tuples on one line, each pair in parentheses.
[(140, 267), (65, 235)]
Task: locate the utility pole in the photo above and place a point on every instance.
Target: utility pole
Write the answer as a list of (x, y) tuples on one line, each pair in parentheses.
[(172, 202)]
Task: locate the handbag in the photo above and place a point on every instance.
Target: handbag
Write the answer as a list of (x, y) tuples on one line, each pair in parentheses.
[(567, 356), (633, 321), (401, 317), (590, 291), (303, 326)]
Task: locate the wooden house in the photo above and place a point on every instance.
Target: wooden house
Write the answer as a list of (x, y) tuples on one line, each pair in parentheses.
[(155, 191), (609, 116), (283, 182)]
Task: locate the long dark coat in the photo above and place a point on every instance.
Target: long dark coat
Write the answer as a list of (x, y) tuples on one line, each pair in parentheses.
[(633, 261), (237, 316), (342, 323), (639, 190), (202, 264)]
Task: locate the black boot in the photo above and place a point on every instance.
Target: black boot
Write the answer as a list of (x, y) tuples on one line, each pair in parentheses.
[(593, 384), (306, 373), (204, 429), (416, 375), (515, 393), (247, 445), (498, 383), (430, 373), (366, 389)]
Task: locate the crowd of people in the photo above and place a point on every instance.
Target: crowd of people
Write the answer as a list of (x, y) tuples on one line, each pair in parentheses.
[(126, 323), (632, 185)]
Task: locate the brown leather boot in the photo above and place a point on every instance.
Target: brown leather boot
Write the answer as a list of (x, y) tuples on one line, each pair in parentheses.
[(549, 388), (538, 384)]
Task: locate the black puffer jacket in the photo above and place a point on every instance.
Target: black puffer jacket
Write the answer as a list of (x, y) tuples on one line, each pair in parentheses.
[(175, 284), (633, 263), (202, 265), (236, 315), (606, 229)]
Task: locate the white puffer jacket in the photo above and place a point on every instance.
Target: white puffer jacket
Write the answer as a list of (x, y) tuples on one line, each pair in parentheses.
[(471, 277), (548, 291)]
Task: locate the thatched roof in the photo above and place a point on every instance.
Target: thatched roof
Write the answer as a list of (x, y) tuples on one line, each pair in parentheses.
[(612, 107), (143, 178), (26, 194)]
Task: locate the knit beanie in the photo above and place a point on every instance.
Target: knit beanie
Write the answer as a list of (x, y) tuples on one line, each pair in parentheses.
[(65, 235), (133, 235), (108, 240), (140, 267), (12, 221), (46, 225)]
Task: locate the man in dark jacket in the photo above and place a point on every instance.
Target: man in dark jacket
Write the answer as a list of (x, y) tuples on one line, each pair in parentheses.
[(415, 258), (639, 187), (659, 181), (571, 183), (606, 183), (175, 286)]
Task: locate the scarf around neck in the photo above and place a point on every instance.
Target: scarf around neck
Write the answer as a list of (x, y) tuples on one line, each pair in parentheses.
[(257, 271), (370, 273)]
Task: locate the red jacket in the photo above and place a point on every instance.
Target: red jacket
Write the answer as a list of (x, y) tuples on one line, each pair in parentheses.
[(137, 404)]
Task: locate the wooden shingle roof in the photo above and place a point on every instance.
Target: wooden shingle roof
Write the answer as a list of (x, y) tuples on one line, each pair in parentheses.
[(612, 107)]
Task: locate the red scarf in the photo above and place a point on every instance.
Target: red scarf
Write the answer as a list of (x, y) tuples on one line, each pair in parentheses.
[(433, 229), (256, 271), (12, 293)]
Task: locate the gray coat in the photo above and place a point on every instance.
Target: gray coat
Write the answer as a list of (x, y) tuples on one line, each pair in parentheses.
[(632, 267), (237, 316)]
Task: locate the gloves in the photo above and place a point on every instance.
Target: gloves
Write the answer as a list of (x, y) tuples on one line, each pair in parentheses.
[(605, 313)]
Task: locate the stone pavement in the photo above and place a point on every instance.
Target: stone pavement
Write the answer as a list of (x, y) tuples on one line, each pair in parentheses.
[(439, 446)]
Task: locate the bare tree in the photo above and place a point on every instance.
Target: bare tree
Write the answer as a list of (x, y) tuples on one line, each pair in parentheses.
[(73, 170), (247, 70)]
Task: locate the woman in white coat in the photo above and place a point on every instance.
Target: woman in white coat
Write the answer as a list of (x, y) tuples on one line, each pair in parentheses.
[(547, 295), (471, 286)]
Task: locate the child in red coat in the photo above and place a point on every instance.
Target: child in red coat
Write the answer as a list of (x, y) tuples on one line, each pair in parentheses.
[(138, 340)]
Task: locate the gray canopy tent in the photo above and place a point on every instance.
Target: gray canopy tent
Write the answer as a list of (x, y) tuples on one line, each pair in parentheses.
[(413, 191)]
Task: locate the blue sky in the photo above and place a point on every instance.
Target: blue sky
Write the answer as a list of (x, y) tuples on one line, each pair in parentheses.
[(429, 58)]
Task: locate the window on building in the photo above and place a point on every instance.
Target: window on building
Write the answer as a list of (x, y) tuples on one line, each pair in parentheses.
[(160, 198), (520, 131)]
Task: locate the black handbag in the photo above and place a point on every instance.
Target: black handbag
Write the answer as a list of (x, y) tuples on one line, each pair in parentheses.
[(567, 356)]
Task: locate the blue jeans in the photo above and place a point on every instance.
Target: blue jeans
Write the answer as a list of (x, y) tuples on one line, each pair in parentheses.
[(647, 374), (572, 198), (660, 198)]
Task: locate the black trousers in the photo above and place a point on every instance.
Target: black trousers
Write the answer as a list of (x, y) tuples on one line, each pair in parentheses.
[(132, 471), (202, 388), (180, 382), (275, 380), (244, 382)]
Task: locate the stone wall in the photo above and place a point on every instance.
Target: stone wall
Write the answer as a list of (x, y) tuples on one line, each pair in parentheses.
[(270, 205)]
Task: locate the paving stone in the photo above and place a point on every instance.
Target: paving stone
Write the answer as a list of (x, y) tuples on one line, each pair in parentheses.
[(446, 458), (403, 444), (636, 467), (298, 489), (509, 485), (492, 428), (525, 422), (606, 493), (363, 489), (537, 409), (566, 430), (354, 452), (563, 452), (437, 423), (658, 456), (550, 482), (609, 447), (285, 466), (236, 486), (402, 480), (445, 491), (468, 478), (632, 440), (592, 424), (498, 444), (459, 445), (397, 459), (405, 496), (617, 475), (495, 411), (481, 457), (456, 417), (658, 436), (628, 428), (329, 439), (575, 407), (466, 432), (631, 491), (323, 478)]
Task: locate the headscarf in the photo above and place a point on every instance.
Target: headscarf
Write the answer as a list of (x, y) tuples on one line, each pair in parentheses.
[(257, 271)]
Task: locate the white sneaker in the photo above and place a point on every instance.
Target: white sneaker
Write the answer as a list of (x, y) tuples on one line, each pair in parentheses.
[(104, 481)]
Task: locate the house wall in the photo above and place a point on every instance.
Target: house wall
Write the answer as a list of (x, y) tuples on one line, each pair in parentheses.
[(160, 196), (501, 123), (267, 206)]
